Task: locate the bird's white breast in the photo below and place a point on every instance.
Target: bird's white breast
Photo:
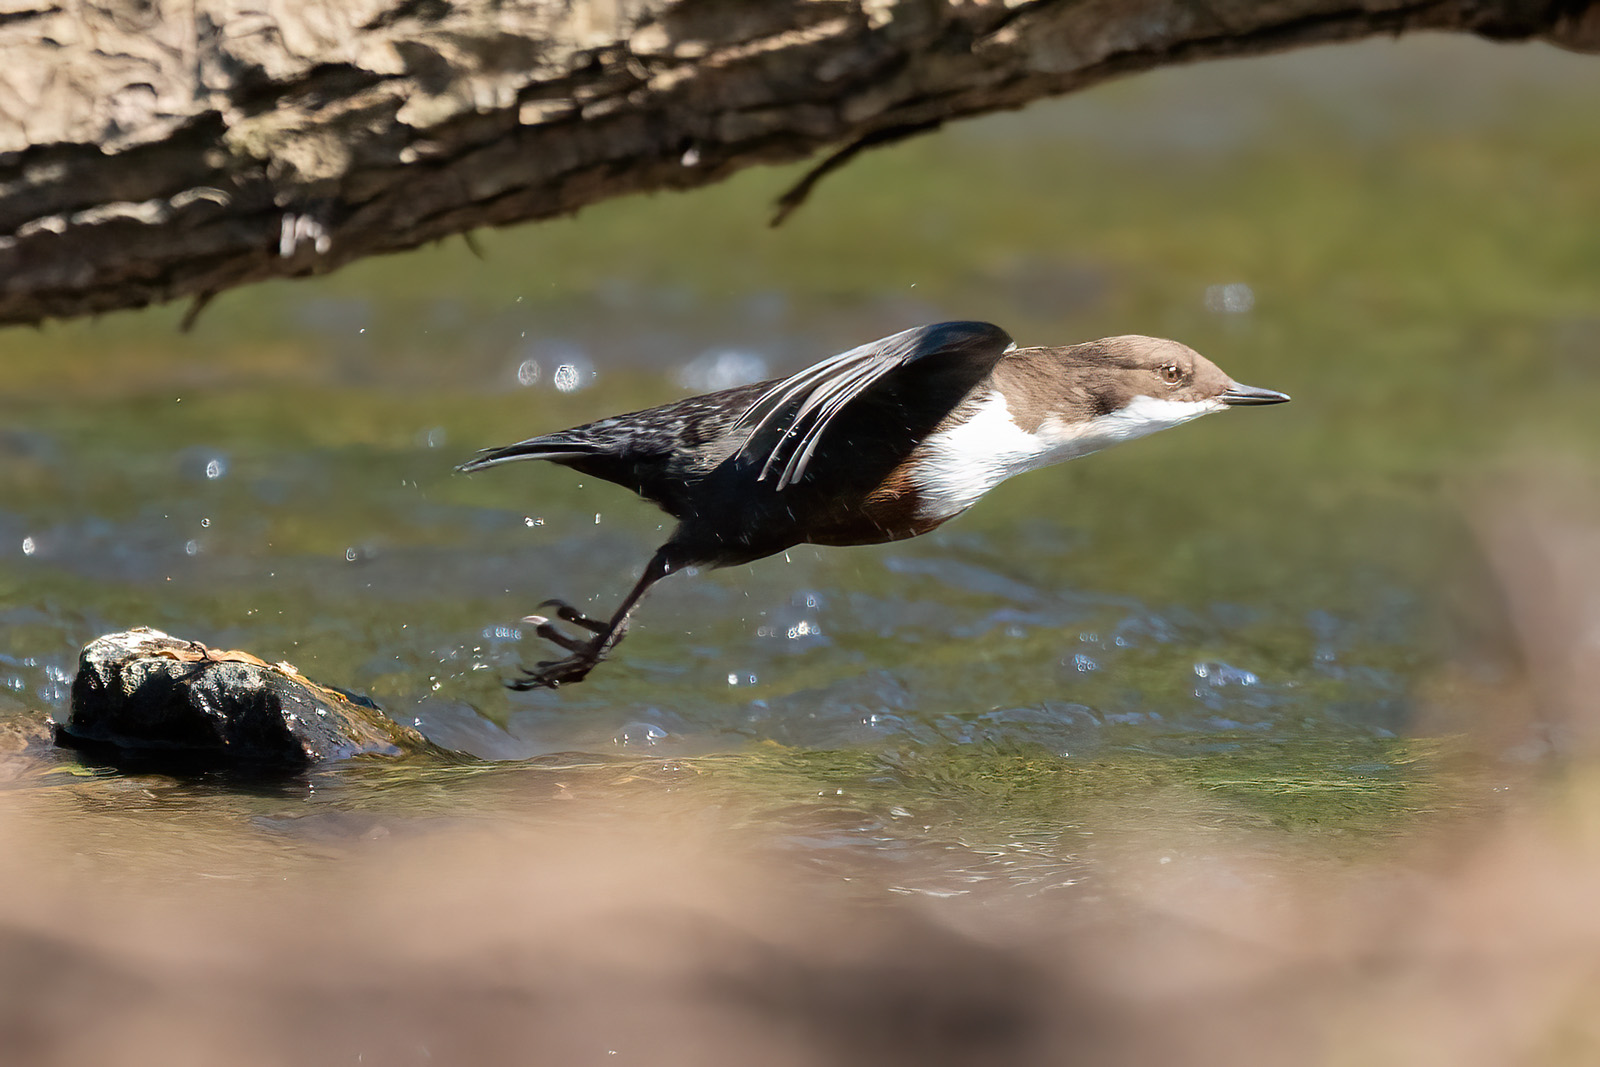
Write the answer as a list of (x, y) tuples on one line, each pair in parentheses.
[(958, 465)]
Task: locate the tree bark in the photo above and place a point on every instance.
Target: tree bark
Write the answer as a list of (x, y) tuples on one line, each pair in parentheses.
[(157, 149)]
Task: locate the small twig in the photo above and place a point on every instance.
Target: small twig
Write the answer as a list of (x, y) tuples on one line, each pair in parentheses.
[(195, 307), (801, 190)]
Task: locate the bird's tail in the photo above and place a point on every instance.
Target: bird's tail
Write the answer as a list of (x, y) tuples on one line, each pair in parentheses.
[(552, 447)]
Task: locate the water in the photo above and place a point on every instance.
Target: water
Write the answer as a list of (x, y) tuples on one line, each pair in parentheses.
[(1281, 616)]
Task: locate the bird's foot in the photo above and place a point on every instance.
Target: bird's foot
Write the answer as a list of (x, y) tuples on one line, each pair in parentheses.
[(551, 674)]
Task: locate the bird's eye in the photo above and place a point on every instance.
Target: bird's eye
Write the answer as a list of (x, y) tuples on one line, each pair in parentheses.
[(1171, 374)]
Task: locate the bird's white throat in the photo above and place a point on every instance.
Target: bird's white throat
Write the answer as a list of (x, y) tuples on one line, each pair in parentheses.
[(955, 467)]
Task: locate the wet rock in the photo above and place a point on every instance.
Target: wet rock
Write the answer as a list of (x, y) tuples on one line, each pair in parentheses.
[(145, 695)]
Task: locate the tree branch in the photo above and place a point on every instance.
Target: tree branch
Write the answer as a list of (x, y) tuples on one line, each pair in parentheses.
[(178, 149)]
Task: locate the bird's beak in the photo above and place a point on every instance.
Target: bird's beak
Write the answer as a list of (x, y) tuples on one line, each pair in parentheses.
[(1240, 395)]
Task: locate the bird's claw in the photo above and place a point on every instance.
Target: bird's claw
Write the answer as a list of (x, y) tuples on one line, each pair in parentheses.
[(544, 629), (573, 615), (552, 674)]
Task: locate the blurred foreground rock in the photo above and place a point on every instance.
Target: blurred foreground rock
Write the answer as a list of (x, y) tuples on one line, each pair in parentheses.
[(22, 733), (24, 738), (147, 695)]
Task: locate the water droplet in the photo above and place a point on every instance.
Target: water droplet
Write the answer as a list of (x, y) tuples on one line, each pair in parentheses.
[(216, 467), (528, 372), (29, 547), (191, 548), (733, 679), (567, 378), (205, 522), (350, 554), (1235, 298), (437, 437), (530, 521)]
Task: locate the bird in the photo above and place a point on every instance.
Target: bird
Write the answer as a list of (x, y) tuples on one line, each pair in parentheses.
[(883, 442)]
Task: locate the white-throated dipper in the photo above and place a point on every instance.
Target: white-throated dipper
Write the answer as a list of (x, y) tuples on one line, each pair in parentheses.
[(882, 442)]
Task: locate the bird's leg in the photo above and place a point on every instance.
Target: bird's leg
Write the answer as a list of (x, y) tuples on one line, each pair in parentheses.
[(550, 674)]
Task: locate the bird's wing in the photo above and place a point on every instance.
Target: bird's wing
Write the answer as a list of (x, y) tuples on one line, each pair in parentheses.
[(787, 421)]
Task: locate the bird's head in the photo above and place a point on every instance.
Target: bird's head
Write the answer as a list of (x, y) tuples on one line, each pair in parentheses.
[(1133, 369), (1091, 395)]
